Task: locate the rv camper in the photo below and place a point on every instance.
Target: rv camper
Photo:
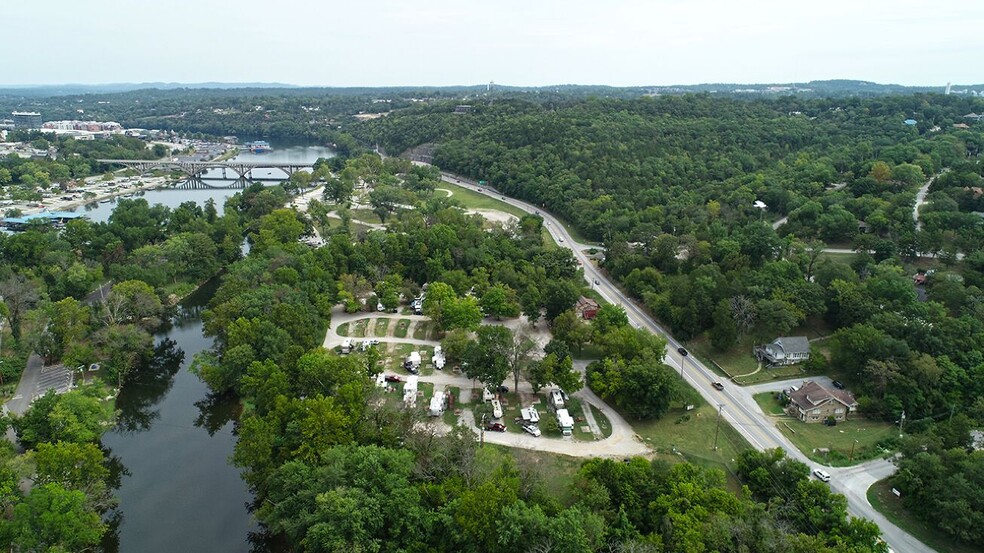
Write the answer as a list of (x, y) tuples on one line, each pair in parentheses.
[(347, 346), (438, 404), (565, 421)]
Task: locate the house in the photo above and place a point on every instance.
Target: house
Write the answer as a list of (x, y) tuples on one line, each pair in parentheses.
[(785, 350), (813, 402), (586, 308)]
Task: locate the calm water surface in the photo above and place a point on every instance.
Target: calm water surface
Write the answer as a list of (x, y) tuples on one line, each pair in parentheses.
[(178, 492)]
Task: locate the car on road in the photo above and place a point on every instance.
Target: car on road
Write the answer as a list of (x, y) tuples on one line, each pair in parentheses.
[(503, 197), (597, 282), (838, 384), (496, 427), (393, 378), (560, 239), (718, 386), (532, 429), (683, 351), (821, 475)]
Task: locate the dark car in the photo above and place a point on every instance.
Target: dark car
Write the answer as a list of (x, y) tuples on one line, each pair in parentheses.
[(496, 427), (718, 386), (502, 389), (393, 378), (683, 351), (838, 384)]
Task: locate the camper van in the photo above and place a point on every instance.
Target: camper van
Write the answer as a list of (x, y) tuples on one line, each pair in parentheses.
[(496, 409), (438, 404), (347, 346), (410, 392), (438, 358), (565, 421), (557, 399)]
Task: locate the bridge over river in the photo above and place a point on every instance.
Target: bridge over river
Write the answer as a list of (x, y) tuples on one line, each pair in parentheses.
[(195, 169)]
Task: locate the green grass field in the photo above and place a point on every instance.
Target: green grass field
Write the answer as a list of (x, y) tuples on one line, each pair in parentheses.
[(343, 329), (690, 434), (602, 420), (884, 501), (365, 215), (769, 404), (401, 328), (838, 439), (555, 472), (358, 329), (421, 329), (381, 326)]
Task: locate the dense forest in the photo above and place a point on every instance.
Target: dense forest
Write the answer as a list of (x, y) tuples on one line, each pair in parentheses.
[(682, 194)]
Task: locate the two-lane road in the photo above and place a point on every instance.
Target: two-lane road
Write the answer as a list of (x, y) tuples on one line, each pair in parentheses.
[(738, 407)]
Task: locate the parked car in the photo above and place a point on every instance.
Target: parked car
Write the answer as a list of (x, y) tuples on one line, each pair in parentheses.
[(821, 475), (502, 389), (718, 386), (496, 427), (838, 384), (393, 378), (532, 429)]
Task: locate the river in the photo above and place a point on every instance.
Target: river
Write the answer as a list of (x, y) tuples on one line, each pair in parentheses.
[(173, 441), (173, 197)]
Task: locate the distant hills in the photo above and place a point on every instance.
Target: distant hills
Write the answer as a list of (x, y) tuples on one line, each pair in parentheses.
[(833, 87)]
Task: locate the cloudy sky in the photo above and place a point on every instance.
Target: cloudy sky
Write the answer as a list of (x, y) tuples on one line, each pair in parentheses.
[(519, 42)]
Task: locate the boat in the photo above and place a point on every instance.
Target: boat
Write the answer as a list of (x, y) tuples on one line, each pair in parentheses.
[(258, 146)]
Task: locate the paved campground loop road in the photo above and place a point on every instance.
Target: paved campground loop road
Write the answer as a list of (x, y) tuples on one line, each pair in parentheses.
[(622, 443)]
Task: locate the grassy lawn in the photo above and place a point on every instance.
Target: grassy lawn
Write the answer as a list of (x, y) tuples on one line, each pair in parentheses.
[(602, 420), (556, 472), (769, 404), (366, 216), (475, 200), (884, 501), (401, 328), (343, 329), (838, 439), (358, 329), (421, 329), (381, 326), (845, 258), (690, 434), (736, 361)]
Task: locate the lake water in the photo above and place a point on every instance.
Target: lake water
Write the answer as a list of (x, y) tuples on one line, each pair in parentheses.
[(100, 212), (173, 441)]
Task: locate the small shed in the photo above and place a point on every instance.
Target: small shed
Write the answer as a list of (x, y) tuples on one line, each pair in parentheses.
[(586, 308)]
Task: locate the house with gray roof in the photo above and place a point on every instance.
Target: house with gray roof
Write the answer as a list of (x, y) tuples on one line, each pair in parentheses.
[(785, 350), (813, 402)]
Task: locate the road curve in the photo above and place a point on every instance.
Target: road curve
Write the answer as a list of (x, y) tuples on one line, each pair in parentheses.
[(738, 410)]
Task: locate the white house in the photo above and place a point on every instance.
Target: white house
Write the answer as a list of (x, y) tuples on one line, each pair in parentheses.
[(785, 350)]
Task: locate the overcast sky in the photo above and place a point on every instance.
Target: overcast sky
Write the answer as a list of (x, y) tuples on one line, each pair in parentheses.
[(518, 42)]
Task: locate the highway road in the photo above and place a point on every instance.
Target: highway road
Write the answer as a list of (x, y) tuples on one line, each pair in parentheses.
[(739, 408)]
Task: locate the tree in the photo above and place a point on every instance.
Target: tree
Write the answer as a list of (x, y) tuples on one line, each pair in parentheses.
[(571, 329), (455, 344), (641, 388), (75, 467), (559, 296), (77, 416), (132, 302), (532, 303), (488, 360), (19, 294), (52, 518), (609, 317), (499, 301), (520, 354), (555, 370), (881, 172)]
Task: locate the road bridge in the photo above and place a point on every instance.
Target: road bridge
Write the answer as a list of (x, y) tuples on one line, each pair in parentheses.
[(195, 169)]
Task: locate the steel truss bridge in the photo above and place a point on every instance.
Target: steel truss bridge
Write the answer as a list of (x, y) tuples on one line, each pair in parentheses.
[(195, 169)]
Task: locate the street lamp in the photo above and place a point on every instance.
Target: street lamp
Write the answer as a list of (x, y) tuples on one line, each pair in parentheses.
[(852, 451)]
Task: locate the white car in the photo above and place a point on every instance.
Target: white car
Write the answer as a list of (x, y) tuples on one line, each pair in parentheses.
[(532, 429), (821, 475)]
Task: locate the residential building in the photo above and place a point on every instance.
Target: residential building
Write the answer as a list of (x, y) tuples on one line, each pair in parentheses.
[(785, 350), (586, 308), (813, 402)]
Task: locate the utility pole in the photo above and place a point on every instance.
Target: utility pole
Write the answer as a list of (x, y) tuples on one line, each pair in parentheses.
[(683, 359), (901, 422), (718, 427), (852, 451), (481, 440)]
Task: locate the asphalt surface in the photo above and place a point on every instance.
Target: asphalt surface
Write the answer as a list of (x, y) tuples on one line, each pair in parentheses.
[(739, 409)]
